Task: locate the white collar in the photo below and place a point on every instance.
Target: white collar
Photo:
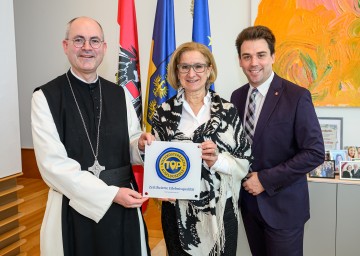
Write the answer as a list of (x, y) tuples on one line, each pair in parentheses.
[(97, 77), (264, 87), (207, 98)]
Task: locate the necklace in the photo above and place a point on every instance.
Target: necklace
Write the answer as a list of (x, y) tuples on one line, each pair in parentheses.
[(96, 168)]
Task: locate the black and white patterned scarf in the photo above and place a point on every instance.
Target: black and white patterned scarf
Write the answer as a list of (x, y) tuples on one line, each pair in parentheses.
[(200, 222)]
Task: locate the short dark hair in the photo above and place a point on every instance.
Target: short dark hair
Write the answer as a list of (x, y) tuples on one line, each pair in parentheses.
[(254, 33)]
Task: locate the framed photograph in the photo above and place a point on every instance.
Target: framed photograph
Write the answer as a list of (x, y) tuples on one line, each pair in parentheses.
[(352, 152), (338, 156), (331, 128), (350, 170), (325, 170), (327, 155)]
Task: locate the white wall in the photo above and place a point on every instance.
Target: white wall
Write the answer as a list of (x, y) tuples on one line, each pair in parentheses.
[(40, 28), (10, 151)]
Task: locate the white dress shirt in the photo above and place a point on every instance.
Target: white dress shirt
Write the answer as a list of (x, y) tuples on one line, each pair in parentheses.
[(259, 99), (189, 122)]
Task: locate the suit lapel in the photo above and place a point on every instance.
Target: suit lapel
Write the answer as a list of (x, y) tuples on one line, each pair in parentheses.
[(272, 98), (242, 102)]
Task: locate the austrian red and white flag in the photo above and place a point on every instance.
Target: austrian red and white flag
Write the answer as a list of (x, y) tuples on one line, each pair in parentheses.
[(129, 67)]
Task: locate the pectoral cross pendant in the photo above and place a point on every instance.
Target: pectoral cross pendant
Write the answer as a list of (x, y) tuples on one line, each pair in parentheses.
[(96, 168)]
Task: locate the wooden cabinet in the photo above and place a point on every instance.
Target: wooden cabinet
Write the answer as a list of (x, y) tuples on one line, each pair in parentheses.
[(10, 229), (35, 194)]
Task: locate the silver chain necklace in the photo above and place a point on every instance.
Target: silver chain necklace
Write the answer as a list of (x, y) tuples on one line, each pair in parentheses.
[(96, 168)]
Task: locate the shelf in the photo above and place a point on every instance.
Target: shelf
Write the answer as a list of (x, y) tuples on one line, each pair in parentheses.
[(11, 176), (11, 240), (11, 204), (12, 246), (11, 190), (11, 219), (11, 233), (337, 180)]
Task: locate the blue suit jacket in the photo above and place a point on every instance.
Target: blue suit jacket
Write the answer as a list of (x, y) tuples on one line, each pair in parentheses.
[(287, 145)]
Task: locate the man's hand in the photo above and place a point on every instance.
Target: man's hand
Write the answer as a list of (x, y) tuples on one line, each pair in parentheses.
[(145, 138), (129, 198), (252, 184)]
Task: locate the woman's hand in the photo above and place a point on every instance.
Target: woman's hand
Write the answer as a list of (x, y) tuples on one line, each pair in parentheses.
[(210, 152)]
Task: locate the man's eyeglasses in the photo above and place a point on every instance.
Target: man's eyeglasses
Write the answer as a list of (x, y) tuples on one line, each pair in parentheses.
[(197, 67), (79, 42)]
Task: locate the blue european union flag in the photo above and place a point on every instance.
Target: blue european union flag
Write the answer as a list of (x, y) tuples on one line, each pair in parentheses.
[(201, 25), (163, 45)]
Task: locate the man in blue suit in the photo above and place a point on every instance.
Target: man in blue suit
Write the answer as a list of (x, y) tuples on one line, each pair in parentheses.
[(287, 143)]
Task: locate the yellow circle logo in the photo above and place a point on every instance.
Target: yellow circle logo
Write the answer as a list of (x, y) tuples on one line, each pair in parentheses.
[(172, 165)]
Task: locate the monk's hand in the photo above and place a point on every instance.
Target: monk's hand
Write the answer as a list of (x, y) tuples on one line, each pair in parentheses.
[(129, 198), (145, 138)]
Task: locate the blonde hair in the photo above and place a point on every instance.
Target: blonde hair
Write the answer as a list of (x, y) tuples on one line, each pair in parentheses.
[(354, 150), (172, 73)]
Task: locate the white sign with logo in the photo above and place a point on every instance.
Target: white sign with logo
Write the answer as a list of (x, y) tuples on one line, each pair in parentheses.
[(172, 170)]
